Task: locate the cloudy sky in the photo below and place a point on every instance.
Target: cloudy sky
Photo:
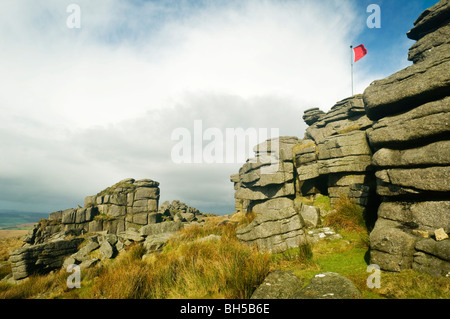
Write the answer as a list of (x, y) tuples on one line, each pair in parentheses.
[(83, 108)]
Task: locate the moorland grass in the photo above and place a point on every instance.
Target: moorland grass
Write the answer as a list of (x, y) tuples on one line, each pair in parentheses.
[(226, 268)]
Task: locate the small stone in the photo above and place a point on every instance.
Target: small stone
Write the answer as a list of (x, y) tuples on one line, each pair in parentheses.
[(119, 245), (106, 250), (440, 234), (421, 233), (89, 263)]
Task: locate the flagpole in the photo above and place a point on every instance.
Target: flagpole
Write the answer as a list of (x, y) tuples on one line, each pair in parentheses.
[(351, 62)]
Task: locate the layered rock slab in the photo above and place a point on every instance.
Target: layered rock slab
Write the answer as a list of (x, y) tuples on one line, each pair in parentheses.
[(410, 135), (275, 231), (41, 258)]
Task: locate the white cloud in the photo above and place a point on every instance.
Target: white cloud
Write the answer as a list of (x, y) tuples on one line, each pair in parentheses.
[(85, 108)]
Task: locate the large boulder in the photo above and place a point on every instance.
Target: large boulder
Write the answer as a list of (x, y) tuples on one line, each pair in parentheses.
[(278, 285), (427, 215), (312, 115), (271, 205), (408, 88), (392, 245), (430, 20), (156, 229), (432, 154), (41, 258), (427, 179), (432, 257), (275, 231), (269, 175), (329, 285)]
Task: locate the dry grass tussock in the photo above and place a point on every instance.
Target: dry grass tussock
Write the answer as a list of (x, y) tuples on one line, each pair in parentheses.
[(187, 269), (346, 216), (7, 245)]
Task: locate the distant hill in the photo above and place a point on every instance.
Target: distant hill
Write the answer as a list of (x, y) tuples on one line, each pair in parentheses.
[(15, 219)]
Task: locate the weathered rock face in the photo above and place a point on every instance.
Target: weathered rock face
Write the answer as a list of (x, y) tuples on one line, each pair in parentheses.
[(329, 286), (427, 80), (410, 136), (275, 231), (41, 258), (334, 158), (267, 177), (119, 215), (128, 204), (278, 285)]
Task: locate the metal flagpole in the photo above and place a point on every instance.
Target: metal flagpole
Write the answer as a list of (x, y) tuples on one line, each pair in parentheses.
[(351, 61)]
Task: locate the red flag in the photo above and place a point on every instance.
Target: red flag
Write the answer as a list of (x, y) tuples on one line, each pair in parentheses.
[(360, 51)]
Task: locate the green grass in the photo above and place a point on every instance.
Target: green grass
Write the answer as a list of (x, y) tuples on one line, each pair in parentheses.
[(348, 257), (323, 202)]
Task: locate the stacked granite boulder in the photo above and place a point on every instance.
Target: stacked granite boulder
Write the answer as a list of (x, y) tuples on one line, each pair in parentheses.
[(334, 158), (129, 204), (265, 186), (267, 181), (410, 137), (124, 213)]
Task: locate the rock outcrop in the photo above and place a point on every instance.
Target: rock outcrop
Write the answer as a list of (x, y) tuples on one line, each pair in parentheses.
[(410, 139), (41, 258), (388, 150), (268, 179), (124, 213), (334, 158), (285, 285), (129, 204)]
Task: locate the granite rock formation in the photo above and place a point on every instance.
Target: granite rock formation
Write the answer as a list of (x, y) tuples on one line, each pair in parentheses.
[(388, 150), (268, 179), (334, 158), (41, 258), (275, 231), (285, 285), (124, 213), (128, 204), (278, 285), (410, 139)]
